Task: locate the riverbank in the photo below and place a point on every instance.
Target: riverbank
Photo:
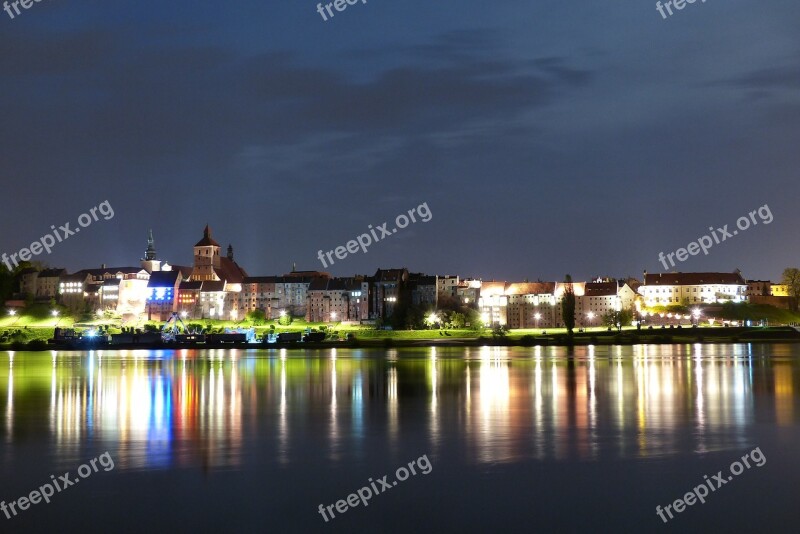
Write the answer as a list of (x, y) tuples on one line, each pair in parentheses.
[(626, 337)]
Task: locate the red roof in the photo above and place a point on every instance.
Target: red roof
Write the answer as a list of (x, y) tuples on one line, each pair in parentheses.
[(230, 271), (600, 289), (207, 241)]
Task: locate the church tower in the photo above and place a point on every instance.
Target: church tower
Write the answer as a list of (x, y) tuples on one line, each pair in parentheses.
[(206, 258), (150, 263)]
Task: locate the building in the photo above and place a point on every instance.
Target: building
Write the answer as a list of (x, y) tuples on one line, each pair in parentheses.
[(189, 304), (758, 288), (779, 290), (531, 305), (150, 263), (665, 289), (765, 292), (162, 292), (27, 281), (338, 300), (73, 291), (493, 303), (210, 266), (601, 298), (447, 285), (328, 300), (214, 302), (48, 283), (389, 288), (424, 290), (278, 295)]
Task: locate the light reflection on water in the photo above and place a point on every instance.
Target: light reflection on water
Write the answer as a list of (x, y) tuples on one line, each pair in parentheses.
[(217, 408)]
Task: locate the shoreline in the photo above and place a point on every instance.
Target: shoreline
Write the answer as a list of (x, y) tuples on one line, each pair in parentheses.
[(625, 338)]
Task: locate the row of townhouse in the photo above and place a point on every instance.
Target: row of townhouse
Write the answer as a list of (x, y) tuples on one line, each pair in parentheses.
[(215, 286), (538, 304)]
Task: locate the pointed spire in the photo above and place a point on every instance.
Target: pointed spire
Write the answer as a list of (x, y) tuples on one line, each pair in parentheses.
[(207, 240), (150, 253)]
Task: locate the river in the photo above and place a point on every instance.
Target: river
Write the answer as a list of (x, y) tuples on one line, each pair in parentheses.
[(511, 439)]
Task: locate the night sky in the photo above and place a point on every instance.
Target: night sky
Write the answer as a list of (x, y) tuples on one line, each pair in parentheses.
[(546, 137)]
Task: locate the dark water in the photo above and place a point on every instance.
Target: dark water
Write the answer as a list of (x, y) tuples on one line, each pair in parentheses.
[(512, 439)]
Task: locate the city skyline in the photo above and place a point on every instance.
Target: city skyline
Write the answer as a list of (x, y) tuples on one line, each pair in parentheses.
[(186, 259)]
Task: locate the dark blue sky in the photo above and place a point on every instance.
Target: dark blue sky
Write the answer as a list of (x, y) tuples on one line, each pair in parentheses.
[(546, 137)]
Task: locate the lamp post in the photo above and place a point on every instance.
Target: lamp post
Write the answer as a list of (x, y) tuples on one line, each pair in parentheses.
[(537, 317), (590, 315)]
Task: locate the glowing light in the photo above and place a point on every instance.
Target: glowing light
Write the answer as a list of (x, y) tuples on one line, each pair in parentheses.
[(333, 316), (283, 313), (55, 313), (184, 314), (12, 312)]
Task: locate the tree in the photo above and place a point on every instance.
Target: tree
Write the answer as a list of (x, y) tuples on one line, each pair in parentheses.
[(568, 305), (457, 320), (791, 278), (257, 317), (618, 319), (7, 283), (499, 331)]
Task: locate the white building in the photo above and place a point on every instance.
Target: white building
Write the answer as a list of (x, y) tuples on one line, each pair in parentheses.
[(667, 289)]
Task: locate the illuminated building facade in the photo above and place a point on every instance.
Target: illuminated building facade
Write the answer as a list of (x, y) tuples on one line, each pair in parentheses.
[(666, 289)]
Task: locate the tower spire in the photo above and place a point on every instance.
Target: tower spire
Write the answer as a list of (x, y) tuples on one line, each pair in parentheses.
[(150, 253)]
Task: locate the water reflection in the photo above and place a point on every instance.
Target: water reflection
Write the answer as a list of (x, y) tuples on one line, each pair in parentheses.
[(163, 409)]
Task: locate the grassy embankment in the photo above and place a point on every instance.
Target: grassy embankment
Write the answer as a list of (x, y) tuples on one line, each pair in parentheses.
[(23, 329)]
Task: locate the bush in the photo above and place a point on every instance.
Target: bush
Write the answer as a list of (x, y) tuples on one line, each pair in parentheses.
[(257, 317), (527, 340), (37, 344)]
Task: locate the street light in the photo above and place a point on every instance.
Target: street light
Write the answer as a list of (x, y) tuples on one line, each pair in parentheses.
[(333, 316), (12, 312), (591, 317), (55, 313), (537, 317)]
